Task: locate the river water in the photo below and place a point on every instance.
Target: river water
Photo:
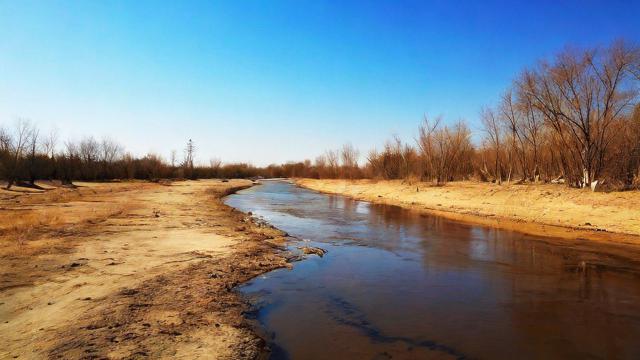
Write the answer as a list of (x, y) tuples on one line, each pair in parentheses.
[(403, 285)]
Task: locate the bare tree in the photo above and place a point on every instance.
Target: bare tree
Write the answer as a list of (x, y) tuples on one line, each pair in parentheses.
[(89, 149), (173, 158), (5, 146), (332, 157), (513, 119), (445, 151), (426, 143), (22, 134), (214, 165), (349, 156), (110, 151), (5, 140), (89, 152), (582, 95), (320, 161), (532, 132), (634, 69), (50, 142), (494, 136), (33, 147)]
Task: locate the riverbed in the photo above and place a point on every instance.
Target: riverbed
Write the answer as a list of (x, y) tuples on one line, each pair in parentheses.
[(399, 284)]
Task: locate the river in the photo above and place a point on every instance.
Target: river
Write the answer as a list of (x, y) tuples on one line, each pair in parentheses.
[(398, 284)]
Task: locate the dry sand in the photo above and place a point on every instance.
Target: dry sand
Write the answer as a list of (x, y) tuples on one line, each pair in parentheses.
[(129, 270), (553, 210)]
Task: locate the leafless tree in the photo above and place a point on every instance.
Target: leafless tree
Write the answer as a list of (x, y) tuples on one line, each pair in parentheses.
[(33, 148), (332, 157), (173, 157), (214, 165), (50, 142), (5, 140), (582, 95), (426, 143), (532, 131), (491, 126), (110, 150), (320, 161), (513, 123), (349, 156), (89, 149), (22, 135), (445, 151)]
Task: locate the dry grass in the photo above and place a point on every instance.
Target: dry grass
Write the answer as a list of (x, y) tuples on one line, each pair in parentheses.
[(31, 215)]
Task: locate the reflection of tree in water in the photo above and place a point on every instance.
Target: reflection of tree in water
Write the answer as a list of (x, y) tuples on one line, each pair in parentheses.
[(555, 298), (581, 305), (555, 295)]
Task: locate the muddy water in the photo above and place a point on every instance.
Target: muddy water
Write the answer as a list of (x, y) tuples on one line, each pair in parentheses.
[(397, 284)]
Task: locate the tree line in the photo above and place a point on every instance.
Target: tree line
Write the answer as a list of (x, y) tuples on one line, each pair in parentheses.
[(27, 155), (573, 119)]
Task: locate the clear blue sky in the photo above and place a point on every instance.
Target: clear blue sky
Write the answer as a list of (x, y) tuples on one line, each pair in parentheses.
[(272, 81)]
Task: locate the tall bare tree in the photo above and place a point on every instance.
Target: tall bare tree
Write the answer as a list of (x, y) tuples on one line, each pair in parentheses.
[(22, 134), (50, 142), (173, 157), (33, 148), (513, 122), (349, 156), (333, 161), (493, 130), (582, 95)]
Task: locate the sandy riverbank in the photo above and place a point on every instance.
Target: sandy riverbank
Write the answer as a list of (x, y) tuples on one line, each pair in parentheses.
[(129, 270), (544, 209)]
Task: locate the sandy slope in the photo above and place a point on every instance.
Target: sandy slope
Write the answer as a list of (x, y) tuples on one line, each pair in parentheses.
[(128, 270), (570, 212)]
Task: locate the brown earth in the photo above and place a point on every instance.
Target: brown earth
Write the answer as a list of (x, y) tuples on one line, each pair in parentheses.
[(129, 270), (539, 209)]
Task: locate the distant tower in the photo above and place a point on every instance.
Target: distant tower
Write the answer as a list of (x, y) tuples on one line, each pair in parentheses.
[(188, 161)]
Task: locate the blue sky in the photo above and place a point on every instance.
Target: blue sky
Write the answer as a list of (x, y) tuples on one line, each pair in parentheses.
[(272, 81)]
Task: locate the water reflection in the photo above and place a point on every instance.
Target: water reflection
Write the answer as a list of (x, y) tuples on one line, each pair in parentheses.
[(399, 284)]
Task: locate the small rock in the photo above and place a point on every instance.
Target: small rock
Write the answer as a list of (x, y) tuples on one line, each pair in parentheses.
[(314, 250)]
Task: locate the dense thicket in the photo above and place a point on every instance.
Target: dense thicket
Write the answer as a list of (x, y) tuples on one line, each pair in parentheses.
[(574, 119)]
